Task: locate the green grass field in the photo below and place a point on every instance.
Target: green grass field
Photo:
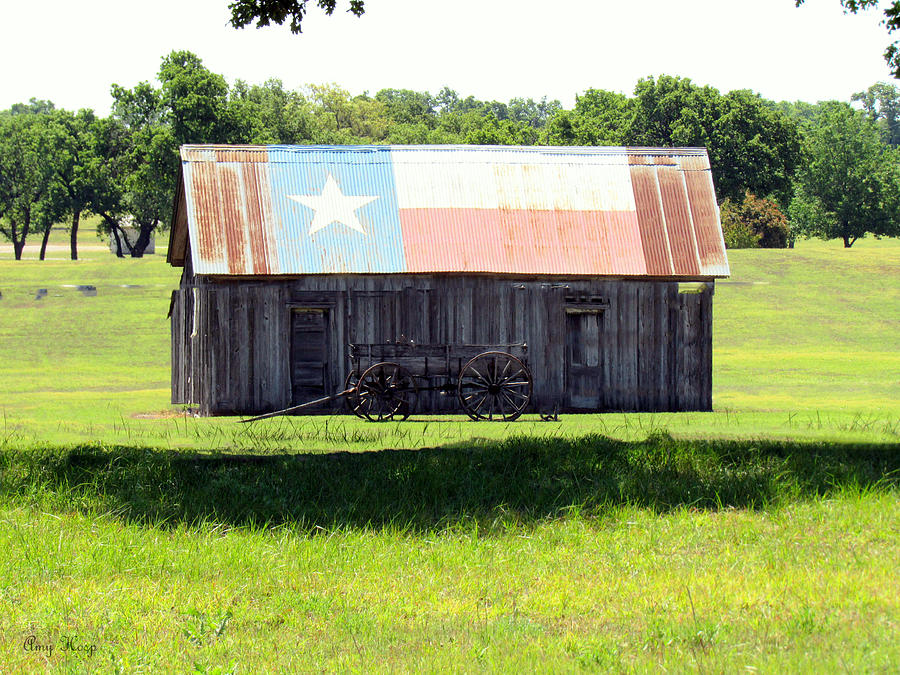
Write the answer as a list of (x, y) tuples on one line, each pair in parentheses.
[(761, 537)]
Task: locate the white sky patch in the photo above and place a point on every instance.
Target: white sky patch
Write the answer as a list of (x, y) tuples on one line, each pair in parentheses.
[(70, 52)]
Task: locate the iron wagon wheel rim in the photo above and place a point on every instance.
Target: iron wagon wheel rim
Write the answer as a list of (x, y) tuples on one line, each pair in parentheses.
[(353, 400), (386, 391), (494, 386)]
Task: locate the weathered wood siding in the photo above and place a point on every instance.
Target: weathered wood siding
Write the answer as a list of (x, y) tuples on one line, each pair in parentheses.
[(592, 344)]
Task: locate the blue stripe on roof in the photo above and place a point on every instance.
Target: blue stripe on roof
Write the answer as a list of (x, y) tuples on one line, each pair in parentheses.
[(337, 247)]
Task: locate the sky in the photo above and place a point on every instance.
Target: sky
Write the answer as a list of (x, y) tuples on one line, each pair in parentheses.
[(71, 52)]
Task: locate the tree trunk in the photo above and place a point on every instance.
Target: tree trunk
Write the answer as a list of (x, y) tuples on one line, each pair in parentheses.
[(143, 240), (17, 250), (18, 241), (44, 243), (73, 236), (115, 232), (849, 241)]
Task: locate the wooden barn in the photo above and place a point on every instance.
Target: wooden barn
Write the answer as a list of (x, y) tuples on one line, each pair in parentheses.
[(304, 265)]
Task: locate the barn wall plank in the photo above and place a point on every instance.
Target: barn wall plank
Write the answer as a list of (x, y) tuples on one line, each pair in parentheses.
[(705, 345)]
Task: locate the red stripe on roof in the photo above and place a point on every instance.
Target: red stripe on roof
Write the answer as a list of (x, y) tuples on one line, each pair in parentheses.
[(678, 221), (522, 241), (654, 241)]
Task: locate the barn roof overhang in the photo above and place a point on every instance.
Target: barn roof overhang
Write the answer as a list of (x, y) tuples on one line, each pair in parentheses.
[(263, 211)]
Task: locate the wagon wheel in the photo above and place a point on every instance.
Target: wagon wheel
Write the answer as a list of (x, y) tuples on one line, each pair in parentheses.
[(494, 386), (386, 391), (352, 400)]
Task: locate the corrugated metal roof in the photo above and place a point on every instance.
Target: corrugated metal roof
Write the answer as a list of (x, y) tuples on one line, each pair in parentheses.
[(258, 210)]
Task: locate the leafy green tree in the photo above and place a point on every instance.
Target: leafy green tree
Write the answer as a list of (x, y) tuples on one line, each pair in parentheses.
[(417, 133), (265, 12), (881, 103), (488, 130), (79, 168), (26, 177), (269, 114), (338, 117), (190, 106), (52, 208), (671, 111), (851, 184), (113, 141), (139, 187), (405, 106), (193, 99), (599, 118), (149, 183), (800, 113), (751, 146), (754, 148), (534, 113), (35, 106)]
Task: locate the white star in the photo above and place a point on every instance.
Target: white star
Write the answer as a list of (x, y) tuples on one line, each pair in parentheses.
[(333, 206)]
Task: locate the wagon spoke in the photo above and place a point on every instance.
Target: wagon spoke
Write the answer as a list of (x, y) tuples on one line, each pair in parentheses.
[(501, 404), (513, 392), (367, 402), (480, 376), (476, 385), (481, 403), (515, 406), (505, 369), (513, 376)]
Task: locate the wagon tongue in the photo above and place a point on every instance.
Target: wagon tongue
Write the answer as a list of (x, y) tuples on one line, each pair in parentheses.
[(286, 411)]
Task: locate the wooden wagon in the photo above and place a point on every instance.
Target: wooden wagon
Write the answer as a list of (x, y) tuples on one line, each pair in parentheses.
[(491, 382)]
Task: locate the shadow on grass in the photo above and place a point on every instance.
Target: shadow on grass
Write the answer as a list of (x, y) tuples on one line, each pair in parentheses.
[(516, 481)]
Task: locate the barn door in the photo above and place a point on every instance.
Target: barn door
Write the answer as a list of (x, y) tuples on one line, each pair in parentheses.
[(309, 355), (583, 358)]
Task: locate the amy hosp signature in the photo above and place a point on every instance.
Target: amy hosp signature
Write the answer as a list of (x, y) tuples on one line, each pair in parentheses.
[(67, 643)]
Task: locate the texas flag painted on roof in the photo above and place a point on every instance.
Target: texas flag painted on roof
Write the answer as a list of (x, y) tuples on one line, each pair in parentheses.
[(288, 210)]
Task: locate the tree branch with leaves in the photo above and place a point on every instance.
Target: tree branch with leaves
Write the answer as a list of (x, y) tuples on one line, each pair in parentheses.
[(265, 12)]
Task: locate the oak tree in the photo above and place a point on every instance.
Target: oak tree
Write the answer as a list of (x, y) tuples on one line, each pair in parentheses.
[(26, 177), (851, 184)]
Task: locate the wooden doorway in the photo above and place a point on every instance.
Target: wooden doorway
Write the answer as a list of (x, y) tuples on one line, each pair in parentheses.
[(583, 371), (309, 355)]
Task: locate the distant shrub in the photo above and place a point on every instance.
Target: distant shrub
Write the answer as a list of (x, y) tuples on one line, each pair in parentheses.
[(738, 234), (754, 222)]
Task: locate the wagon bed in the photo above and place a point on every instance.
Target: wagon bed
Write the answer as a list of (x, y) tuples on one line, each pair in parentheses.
[(491, 382)]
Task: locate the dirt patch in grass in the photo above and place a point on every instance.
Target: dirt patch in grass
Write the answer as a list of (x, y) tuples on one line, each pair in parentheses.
[(161, 415)]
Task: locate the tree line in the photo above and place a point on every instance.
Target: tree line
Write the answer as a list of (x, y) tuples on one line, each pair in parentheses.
[(826, 169)]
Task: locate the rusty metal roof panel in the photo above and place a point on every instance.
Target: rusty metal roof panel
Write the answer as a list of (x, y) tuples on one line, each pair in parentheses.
[(258, 210)]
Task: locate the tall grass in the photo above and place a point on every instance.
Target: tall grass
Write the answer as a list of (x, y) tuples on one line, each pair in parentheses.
[(517, 481)]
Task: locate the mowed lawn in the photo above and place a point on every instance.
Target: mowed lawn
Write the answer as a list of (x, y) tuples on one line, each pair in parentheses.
[(760, 537)]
